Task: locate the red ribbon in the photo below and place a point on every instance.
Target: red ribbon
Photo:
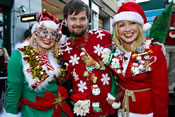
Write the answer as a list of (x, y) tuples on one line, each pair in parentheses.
[(49, 100)]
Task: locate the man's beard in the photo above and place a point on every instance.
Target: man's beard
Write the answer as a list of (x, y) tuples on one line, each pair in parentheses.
[(78, 34)]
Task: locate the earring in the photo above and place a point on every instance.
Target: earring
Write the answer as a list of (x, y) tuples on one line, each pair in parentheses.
[(34, 41)]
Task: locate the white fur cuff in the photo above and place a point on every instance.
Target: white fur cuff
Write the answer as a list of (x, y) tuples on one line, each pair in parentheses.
[(110, 97)]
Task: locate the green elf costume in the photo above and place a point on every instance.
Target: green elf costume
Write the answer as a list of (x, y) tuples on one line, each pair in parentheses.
[(32, 88)]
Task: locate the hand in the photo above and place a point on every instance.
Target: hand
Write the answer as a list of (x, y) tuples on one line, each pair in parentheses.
[(111, 100)]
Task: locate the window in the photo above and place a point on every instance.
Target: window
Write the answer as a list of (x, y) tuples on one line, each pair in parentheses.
[(140, 1), (1, 27)]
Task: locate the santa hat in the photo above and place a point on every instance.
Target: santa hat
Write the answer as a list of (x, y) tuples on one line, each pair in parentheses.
[(131, 11), (47, 20), (82, 54)]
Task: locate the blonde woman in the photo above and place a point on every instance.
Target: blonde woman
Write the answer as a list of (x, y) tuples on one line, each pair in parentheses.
[(32, 72), (139, 66)]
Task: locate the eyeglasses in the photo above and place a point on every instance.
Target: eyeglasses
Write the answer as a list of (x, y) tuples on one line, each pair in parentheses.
[(43, 33), (46, 33)]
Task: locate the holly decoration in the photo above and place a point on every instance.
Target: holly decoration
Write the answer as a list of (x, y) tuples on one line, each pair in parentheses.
[(80, 42)]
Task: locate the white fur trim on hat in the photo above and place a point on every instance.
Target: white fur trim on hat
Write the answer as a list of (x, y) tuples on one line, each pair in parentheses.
[(146, 27), (129, 16), (47, 24), (111, 97), (82, 54)]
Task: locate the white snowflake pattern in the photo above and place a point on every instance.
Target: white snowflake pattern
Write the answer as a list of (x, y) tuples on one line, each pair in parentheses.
[(74, 59), (100, 35), (64, 46), (68, 49), (98, 49), (61, 51), (82, 86), (105, 79), (75, 75), (91, 31)]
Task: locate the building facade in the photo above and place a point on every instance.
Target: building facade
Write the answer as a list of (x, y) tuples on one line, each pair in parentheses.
[(102, 12), (13, 31)]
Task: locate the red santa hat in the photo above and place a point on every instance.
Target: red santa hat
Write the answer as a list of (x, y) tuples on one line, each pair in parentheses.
[(82, 54), (131, 11), (47, 20)]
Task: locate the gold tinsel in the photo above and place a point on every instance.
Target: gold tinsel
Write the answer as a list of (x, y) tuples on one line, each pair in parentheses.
[(31, 56)]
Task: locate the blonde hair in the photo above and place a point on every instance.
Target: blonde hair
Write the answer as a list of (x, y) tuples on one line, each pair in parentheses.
[(6, 55), (139, 41)]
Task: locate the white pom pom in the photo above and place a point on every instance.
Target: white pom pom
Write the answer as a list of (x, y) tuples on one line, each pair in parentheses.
[(139, 58), (141, 67), (116, 105), (119, 71), (146, 27), (82, 54), (142, 62)]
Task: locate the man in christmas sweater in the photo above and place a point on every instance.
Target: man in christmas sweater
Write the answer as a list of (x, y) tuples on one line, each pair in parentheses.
[(90, 77)]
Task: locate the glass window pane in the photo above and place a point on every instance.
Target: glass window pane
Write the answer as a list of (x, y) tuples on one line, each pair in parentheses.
[(1, 27)]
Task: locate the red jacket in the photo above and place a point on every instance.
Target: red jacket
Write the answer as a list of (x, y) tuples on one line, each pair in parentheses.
[(154, 100)]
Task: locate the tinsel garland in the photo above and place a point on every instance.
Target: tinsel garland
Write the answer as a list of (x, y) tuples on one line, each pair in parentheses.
[(38, 73), (31, 56)]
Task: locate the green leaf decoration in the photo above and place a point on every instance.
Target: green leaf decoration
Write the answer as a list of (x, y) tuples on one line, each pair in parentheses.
[(160, 26)]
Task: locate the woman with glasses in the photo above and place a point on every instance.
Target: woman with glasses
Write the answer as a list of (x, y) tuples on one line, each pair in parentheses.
[(33, 70)]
